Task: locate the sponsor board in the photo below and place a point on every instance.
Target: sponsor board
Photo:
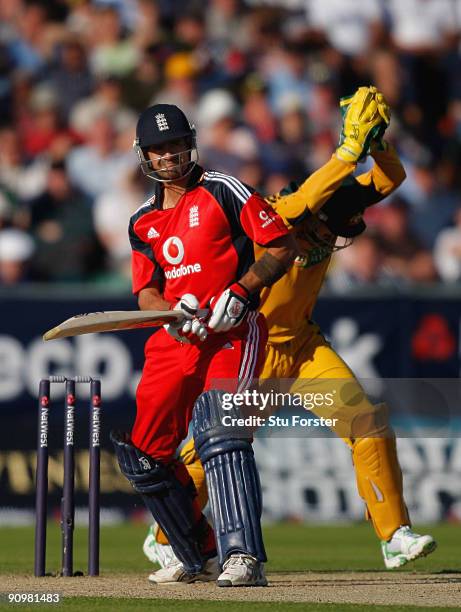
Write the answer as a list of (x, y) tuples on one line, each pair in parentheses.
[(306, 479)]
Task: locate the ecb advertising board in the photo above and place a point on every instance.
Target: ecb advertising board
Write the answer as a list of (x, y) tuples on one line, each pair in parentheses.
[(305, 477)]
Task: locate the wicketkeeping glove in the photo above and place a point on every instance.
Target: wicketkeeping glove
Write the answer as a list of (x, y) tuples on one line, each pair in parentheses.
[(366, 116), (188, 305), (229, 309)]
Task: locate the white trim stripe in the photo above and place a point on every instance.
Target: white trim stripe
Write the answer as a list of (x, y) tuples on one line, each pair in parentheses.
[(237, 184), (145, 205), (249, 364), (254, 356), (243, 383), (247, 347), (234, 191)]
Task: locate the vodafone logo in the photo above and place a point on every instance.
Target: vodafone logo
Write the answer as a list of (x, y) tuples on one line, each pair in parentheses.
[(265, 218), (173, 250)]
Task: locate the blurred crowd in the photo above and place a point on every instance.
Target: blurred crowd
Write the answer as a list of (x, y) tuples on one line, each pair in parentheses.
[(261, 80)]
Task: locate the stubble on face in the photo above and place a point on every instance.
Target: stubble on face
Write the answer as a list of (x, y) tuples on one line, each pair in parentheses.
[(170, 159)]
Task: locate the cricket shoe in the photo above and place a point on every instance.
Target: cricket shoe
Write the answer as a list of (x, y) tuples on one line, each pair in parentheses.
[(157, 553), (405, 546), (242, 570), (175, 572)]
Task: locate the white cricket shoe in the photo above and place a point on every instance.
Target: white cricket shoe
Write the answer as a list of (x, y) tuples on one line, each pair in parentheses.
[(405, 546), (175, 572), (162, 554), (242, 570)]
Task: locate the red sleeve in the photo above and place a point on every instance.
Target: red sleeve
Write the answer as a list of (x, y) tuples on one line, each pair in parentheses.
[(144, 268), (260, 221), (245, 209)]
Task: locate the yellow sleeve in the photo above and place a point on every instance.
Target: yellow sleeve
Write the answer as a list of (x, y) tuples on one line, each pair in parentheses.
[(387, 172), (313, 193)]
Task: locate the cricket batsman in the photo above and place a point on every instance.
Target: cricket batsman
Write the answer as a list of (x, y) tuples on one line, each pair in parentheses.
[(192, 249), (330, 203)]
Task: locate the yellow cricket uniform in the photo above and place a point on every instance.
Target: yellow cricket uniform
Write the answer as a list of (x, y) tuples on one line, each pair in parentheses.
[(297, 350)]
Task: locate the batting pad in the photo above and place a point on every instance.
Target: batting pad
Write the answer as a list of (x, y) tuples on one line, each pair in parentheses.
[(168, 500), (233, 483)]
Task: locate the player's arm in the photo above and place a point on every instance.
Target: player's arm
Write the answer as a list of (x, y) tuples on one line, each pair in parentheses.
[(248, 213), (231, 306), (265, 227), (150, 298), (148, 281), (387, 172), (146, 274), (365, 116), (294, 204), (271, 266), (385, 176)]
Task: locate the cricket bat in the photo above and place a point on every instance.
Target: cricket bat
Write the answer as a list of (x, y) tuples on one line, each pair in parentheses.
[(112, 320)]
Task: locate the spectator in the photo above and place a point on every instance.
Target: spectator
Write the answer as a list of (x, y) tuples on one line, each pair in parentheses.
[(27, 44), (264, 83), (106, 99), (190, 32), (81, 21), (111, 214), (288, 80), (350, 27), (70, 75), (422, 30), (148, 27), (360, 265), (43, 128), (227, 144), (138, 87), (387, 75), (16, 250), (422, 26), (61, 222), (96, 166), (5, 211), (20, 180), (256, 111), (224, 25), (293, 134), (436, 200), (404, 256), (111, 53), (447, 251), (180, 88)]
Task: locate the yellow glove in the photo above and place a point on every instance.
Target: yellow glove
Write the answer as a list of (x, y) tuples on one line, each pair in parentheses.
[(366, 116)]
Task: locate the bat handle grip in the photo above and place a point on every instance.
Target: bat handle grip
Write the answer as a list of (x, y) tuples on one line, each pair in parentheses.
[(203, 313)]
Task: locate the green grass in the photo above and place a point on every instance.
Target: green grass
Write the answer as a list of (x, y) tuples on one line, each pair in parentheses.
[(353, 548), (291, 548)]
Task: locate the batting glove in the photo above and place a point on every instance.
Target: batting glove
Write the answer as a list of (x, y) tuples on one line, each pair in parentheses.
[(229, 309), (366, 116), (188, 305)]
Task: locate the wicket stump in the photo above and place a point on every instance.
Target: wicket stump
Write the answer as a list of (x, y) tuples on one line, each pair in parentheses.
[(68, 500)]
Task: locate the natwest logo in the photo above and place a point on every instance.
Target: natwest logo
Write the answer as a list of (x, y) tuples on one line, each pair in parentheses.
[(173, 250)]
